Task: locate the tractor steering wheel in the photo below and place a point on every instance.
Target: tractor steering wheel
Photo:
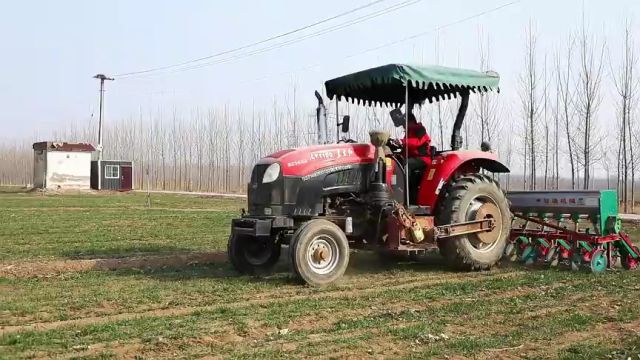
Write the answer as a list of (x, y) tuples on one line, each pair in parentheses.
[(394, 144)]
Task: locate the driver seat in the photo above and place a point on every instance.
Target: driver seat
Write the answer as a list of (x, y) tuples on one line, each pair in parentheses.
[(416, 175)]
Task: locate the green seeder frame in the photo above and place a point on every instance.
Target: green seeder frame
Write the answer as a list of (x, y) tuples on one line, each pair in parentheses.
[(550, 211)]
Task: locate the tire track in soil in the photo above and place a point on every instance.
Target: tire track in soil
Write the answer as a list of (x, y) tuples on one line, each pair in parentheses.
[(22, 269), (380, 344), (347, 285), (278, 298), (551, 348), (377, 349), (229, 338)]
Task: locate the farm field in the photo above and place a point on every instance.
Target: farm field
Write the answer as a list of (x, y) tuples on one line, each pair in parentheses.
[(99, 276)]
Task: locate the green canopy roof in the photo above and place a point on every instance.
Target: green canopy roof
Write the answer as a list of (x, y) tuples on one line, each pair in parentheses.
[(386, 84)]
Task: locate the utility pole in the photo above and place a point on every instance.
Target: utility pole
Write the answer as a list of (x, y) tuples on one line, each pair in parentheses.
[(102, 78)]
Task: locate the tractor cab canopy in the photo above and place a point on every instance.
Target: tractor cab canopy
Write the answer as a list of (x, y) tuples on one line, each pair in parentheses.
[(393, 85), (386, 85)]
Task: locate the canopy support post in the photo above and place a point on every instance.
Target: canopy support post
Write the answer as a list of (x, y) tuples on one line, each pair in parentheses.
[(337, 121), (406, 138)]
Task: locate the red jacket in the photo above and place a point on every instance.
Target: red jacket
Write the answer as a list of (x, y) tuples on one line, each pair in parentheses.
[(418, 141)]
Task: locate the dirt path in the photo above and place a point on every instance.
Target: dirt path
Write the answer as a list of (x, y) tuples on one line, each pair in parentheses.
[(30, 269), (630, 217), (119, 209), (239, 196)]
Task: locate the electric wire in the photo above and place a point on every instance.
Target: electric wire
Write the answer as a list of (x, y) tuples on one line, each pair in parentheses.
[(395, 42), (243, 47), (436, 29), (388, 44), (296, 40), (333, 28)]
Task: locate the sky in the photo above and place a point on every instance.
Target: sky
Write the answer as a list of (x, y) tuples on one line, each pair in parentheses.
[(52, 49)]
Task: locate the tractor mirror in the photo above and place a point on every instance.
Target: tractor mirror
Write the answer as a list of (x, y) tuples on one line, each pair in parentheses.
[(397, 117), (345, 123)]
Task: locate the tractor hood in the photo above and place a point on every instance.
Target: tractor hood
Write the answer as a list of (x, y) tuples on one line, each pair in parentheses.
[(294, 181), (314, 160)]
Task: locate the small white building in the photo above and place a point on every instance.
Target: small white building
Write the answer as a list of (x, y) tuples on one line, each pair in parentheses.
[(62, 165)]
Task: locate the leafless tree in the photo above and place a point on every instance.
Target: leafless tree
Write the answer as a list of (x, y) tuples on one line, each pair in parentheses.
[(626, 85), (545, 123), (588, 99), (530, 101), (566, 104), (487, 107)]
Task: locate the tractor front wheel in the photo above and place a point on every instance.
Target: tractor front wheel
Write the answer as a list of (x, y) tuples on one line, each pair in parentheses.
[(252, 255), (474, 197), (319, 252)]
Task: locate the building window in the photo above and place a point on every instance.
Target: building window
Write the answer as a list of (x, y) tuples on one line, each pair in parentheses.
[(111, 171)]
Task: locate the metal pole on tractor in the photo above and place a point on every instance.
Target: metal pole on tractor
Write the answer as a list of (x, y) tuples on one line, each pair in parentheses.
[(102, 78), (406, 139), (337, 122)]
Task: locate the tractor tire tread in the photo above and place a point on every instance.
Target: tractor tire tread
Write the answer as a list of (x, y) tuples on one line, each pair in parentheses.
[(301, 235), (449, 213), (292, 243), (235, 254)]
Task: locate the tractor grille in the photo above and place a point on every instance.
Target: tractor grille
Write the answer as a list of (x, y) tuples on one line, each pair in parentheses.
[(257, 173), (263, 195)]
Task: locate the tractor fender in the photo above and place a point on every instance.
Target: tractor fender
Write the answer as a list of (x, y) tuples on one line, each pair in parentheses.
[(442, 168), (491, 165)]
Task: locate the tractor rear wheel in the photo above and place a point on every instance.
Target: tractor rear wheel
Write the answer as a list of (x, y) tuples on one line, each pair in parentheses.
[(319, 252), (252, 255), (474, 197)]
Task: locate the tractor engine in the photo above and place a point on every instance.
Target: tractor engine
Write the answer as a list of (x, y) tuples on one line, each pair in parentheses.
[(292, 186), (297, 182), (355, 182)]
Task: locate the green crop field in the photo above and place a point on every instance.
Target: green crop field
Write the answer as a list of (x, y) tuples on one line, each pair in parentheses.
[(104, 276)]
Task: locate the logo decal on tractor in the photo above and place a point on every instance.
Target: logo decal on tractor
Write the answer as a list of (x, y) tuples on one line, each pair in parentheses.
[(321, 155), (326, 171), (431, 172), (297, 162), (330, 154), (344, 152)]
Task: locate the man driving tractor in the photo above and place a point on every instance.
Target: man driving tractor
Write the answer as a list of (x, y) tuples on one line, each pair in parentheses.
[(417, 147)]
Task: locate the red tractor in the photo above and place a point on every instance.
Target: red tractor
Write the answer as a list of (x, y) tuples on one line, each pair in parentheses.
[(323, 200)]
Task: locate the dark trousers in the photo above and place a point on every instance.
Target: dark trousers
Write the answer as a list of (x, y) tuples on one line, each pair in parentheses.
[(417, 166)]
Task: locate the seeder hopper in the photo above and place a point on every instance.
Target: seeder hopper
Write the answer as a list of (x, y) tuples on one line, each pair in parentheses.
[(581, 228)]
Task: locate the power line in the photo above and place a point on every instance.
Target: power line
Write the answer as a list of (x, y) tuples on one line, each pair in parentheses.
[(441, 27), (391, 43), (225, 52), (396, 42), (333, 28)]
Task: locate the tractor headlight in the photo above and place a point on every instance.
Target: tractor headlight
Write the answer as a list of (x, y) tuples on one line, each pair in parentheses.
[(271, 174)]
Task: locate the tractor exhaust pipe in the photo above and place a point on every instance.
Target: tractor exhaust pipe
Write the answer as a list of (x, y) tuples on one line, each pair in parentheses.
[(321, 120), (456, 138)]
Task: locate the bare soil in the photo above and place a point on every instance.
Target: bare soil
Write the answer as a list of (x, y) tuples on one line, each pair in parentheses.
[(31, 269)]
